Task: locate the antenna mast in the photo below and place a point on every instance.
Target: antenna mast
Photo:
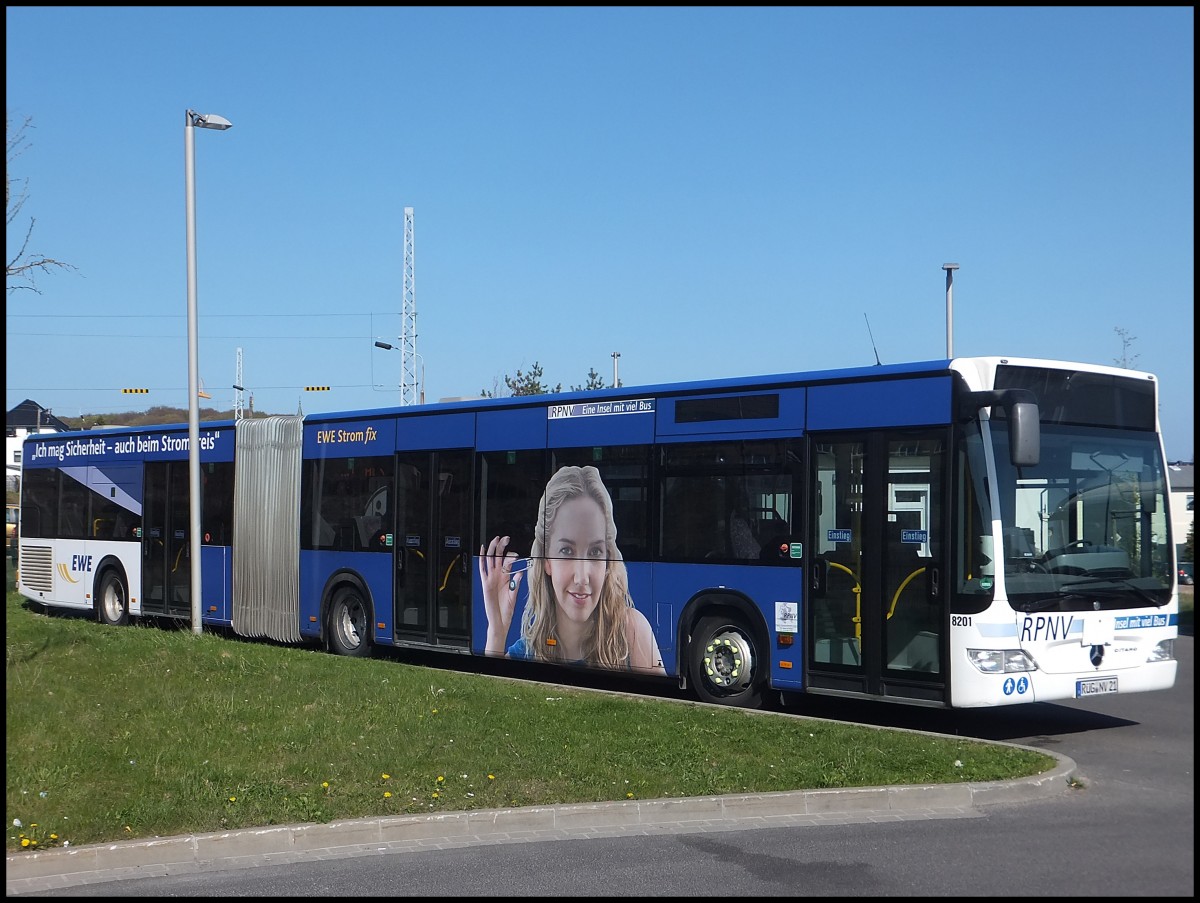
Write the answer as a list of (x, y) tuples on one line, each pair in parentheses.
[(408, 320), (237, 388), (872, 335)]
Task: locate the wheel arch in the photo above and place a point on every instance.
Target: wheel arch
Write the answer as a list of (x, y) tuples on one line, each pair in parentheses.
[(111, 564), (730, 603), (345, 578), (106, 564)]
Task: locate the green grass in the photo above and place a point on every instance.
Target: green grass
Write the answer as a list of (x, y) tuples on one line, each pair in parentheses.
[(134, 732)]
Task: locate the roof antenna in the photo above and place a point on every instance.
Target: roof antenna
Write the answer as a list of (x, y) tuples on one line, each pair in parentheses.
[(872, 335)]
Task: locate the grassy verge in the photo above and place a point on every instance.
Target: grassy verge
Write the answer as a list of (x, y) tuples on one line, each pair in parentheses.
[(134, 732)]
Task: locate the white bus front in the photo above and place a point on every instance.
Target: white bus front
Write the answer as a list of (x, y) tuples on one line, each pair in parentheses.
[(1066, 582)]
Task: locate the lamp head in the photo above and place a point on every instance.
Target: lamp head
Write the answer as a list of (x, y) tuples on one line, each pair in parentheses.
[(209, 120)]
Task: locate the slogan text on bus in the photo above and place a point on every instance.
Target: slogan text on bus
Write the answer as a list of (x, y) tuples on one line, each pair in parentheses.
[(599, 408), (131, 445)]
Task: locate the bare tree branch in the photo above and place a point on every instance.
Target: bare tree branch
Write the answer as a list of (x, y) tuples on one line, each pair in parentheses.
[(24, 265)]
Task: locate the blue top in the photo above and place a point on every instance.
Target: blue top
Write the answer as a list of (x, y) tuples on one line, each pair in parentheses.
[(520, 650)]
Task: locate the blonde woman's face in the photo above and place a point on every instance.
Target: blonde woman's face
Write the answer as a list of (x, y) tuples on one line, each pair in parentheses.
[(576, 558)]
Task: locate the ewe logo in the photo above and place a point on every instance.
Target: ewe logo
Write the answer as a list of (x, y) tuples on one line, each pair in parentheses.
[(79, 564)]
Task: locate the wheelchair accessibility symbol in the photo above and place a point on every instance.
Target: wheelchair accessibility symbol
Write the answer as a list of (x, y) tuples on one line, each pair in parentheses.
[(1020, 685)]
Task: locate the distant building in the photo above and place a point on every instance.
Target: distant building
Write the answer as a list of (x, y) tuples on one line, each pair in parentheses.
[(1181, 477), (25, 419)]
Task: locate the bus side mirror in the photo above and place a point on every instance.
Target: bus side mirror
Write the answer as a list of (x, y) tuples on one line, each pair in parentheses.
[(1024, 434), (1024, 424)]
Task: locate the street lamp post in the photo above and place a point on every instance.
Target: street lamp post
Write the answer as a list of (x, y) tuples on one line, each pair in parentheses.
[(949, 268), (192, 121), (386, 346), (615, 356)]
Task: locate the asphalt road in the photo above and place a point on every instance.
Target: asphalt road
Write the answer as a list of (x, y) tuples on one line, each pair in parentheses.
[(1129, 830)]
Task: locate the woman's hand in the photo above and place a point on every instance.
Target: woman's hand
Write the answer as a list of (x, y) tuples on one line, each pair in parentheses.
[(500, 584)]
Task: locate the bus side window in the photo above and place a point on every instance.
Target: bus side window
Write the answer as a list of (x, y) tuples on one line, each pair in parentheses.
[(72, 521), (742, 540)]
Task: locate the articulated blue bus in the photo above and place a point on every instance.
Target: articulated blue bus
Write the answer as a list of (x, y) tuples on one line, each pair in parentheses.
[(954, 533)]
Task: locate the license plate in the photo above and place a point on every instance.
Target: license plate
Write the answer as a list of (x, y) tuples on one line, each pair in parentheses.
[(1095, 686)]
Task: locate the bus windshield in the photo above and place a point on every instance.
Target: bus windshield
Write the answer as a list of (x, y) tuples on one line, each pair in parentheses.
[(1087, 528)]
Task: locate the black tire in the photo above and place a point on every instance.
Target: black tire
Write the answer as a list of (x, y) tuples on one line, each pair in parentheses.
[(725, 663), (112, 600), (349, 623)]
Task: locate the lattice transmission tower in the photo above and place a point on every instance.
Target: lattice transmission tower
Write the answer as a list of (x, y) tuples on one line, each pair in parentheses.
[(238, 389), (409, 384)]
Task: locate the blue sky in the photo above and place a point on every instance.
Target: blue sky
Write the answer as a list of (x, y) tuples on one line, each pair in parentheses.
[(707, 191)]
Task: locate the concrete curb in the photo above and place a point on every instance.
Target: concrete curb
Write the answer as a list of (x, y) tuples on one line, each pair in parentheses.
[(62, 867)]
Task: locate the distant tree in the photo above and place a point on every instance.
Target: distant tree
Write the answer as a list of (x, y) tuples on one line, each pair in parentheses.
[(24, 265), (524, 384), (594, 381), (1126, 360), (155, 416), (531, 384)]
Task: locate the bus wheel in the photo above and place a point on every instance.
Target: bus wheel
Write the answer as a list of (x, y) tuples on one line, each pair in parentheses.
[(112, 602), (724, 663), (349, 623)]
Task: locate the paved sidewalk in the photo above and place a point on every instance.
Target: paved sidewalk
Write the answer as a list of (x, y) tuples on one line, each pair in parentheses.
[(97, 863)]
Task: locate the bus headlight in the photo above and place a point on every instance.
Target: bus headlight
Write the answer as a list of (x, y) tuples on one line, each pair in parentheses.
[(1163, 652), (1001, 661)]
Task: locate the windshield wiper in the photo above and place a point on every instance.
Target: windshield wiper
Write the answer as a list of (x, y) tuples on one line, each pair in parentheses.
[(1051, 602), (1115, 586)]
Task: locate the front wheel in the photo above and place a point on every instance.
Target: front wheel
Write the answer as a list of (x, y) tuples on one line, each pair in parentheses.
[(112, 602), (349, 623), (725, 664)]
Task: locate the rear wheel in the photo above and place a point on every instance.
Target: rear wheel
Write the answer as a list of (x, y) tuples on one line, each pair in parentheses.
[(112, 602), (724, 662), (349, 623)]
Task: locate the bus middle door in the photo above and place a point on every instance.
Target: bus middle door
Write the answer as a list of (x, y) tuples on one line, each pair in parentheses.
[(433, 587)]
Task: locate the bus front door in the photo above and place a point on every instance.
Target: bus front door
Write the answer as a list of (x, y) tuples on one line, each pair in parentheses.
[(166, 554), (876, 609), (432, 554)]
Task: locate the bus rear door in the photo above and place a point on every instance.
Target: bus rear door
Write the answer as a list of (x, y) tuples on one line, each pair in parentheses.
[(166, 557)]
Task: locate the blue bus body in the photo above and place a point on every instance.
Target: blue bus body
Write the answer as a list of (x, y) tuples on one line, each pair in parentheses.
[(874, 506)]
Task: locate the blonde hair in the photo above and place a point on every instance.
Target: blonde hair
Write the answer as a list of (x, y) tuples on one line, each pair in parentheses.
[(605, 643)]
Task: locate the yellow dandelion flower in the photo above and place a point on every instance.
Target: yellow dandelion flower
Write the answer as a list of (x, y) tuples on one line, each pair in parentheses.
[(435, 794), (54, 837), (385, 775), (441, 779), (387, 794), (491, 777), (24, 841), (629, 796), (233, 799), (325, 784)]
